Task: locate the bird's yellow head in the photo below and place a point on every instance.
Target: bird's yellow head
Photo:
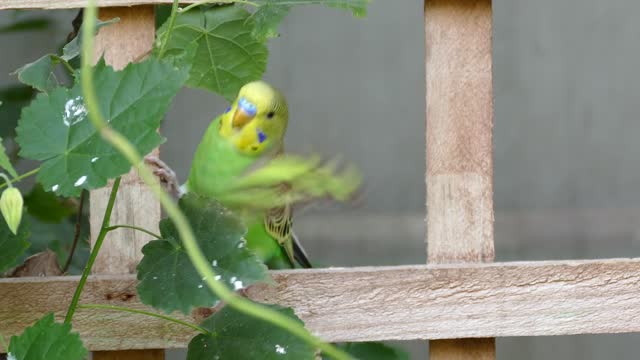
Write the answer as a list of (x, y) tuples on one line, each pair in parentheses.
[(257, 120)]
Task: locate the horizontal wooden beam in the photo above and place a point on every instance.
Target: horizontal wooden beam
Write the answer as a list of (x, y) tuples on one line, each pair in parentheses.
[(370, 303), (70, 4)]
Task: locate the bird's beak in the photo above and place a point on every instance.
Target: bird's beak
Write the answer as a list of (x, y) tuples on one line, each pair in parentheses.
[(245, 112), (241, 118)]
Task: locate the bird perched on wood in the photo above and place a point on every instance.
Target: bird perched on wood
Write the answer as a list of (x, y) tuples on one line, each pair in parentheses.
[(241, 163)]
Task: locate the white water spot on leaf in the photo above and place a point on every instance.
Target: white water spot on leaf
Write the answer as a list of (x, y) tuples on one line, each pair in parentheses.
[(80, 180), (74, 111), (10, 356), (280, 349), (155, 278), (95, 159), (237, 285), (214, 263), (55, 187), (233, 279), (218, 277), (241, 244), (200, 286)]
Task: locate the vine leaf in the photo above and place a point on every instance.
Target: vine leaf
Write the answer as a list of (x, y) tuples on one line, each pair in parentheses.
[(227, 55), (5, 163), (267, 20), (39, 74), (168, 280), (235, 335), (374, 351), (12, 247), (55, 127), (271, 12), (48, 340)]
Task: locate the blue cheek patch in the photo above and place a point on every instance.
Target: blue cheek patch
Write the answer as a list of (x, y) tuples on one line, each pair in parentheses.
[(228, 109), (261, 136)]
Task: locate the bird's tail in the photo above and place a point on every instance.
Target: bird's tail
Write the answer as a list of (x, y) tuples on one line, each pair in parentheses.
[(299, 254)]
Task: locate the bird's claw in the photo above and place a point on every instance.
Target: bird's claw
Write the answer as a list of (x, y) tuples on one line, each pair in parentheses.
[(167, 177)]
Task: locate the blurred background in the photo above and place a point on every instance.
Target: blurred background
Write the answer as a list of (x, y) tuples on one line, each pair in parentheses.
[(565, 136)]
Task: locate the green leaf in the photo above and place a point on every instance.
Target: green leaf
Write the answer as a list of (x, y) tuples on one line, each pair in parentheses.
[(267, 20), (270, 13), (168, 280), (73, 48), (55, 128), (48, 340), (237, 336), (227, 55), (374, 351), (5, 163), (39, 74), (47, 207), (12, 247), (33, 24)]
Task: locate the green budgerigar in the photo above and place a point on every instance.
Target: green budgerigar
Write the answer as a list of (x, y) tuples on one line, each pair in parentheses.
[(240, 163)]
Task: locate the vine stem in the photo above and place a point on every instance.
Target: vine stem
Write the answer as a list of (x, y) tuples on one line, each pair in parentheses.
[(147, 313), (94, 252), (113, 227), (172, 22), (21, 177), (66, 64), (76, 233), (179, 220), (6, 179)]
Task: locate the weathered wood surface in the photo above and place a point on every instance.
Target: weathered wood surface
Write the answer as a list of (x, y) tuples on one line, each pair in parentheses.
[(459, 146), (70, 4), (459, 131), (127, 41), (358, 304)]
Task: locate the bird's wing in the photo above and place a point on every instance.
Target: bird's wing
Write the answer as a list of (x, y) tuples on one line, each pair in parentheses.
[(279, 224)]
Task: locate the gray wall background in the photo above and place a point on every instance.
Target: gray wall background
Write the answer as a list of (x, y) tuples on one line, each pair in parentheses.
[(566, 122)]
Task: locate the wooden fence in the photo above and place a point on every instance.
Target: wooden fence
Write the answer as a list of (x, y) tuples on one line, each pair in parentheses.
[(459, 300)]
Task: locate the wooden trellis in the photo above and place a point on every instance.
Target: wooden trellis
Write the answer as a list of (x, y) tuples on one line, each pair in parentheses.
[(453, 297)]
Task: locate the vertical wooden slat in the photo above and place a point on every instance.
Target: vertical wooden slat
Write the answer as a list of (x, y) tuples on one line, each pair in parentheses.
[(126, 41), (459, 146)]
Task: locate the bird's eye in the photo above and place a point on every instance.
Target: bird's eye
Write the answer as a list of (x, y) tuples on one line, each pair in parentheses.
[(270, 115)]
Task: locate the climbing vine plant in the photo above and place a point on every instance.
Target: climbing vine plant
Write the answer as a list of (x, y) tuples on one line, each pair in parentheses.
[(85, 127)]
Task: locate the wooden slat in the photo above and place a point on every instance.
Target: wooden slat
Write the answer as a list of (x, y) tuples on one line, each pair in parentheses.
[(120, 44), (459, 148), (388, 303), (70, 4), (459, 131)]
